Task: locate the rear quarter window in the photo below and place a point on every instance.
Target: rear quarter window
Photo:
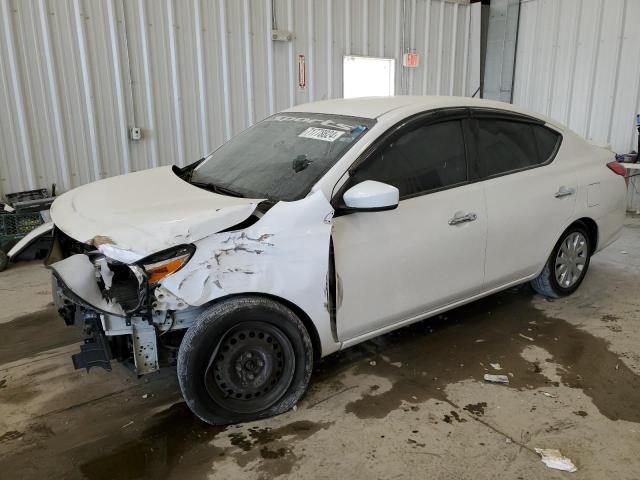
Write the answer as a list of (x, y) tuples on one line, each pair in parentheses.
[(547, 140)]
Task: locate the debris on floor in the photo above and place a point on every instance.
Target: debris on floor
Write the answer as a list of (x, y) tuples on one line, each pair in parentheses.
[(552, 458), (525, 337), (488, 377), (496, 366), (550, 395)]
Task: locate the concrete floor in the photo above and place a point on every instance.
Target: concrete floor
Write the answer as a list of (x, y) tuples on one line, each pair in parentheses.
[(411, 404)]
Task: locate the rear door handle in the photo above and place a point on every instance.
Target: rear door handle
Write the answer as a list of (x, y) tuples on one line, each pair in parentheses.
[(564, 192), (458, 219)]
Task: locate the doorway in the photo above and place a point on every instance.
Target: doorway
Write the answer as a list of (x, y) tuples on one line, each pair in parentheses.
[(368, 76)]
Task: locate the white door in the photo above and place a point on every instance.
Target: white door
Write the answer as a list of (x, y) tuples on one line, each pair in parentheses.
[(530, 196), (429, 252)]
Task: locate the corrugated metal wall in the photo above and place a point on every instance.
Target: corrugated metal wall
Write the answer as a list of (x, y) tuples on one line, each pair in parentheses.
[(578, 61), (75, 75)]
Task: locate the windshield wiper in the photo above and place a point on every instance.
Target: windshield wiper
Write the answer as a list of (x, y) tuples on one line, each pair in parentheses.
[(218, 189)]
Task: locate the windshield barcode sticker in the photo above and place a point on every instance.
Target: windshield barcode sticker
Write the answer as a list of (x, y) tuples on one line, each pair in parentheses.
[(324, 134)]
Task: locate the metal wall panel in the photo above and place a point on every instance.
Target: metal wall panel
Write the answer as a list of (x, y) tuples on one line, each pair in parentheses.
[(578, 61), (633, 192), (75, 75), (502, 35)]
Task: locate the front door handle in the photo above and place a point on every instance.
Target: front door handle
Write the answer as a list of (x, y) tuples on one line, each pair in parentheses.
[(564, 192), (458, 219)]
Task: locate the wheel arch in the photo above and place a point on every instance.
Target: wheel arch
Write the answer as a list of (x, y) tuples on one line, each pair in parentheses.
[(302, 315), (592, 230), (588, 224)]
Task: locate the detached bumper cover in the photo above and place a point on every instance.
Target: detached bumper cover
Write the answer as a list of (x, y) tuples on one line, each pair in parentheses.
[(76, 277)]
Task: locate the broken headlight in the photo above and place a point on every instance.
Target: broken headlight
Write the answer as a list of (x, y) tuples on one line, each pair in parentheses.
[(161, 264)]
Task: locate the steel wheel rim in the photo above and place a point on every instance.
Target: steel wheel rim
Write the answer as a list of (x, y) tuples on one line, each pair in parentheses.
[(251, 367), (571, 260)]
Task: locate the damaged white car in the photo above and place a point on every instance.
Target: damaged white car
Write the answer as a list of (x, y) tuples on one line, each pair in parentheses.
[(321, 227)]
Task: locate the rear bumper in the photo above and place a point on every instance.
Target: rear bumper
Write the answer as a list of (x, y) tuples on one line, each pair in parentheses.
[(610, 226)]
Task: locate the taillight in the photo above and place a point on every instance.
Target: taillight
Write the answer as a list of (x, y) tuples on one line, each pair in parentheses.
[(618, 169)]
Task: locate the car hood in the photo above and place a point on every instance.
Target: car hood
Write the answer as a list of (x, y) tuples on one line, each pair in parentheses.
[(131, 216)]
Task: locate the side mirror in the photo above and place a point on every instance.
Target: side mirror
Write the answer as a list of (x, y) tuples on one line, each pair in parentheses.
[(371, 196)]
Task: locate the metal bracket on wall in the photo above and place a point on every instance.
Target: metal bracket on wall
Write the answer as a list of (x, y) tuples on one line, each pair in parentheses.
[(281, 35)]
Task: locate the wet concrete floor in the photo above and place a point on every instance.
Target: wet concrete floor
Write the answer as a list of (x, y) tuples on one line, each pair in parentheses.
[(410, 404)]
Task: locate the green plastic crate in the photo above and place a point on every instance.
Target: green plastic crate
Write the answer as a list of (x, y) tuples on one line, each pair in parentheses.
[(16, 225)]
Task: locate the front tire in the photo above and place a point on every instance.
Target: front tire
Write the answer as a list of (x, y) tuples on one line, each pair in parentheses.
[(567, 265), (243, 359)]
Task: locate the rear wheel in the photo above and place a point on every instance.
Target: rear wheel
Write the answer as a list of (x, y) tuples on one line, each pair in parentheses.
[(243, 359), (567, 265)]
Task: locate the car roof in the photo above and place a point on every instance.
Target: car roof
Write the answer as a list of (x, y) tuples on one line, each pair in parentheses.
[(375, 107)]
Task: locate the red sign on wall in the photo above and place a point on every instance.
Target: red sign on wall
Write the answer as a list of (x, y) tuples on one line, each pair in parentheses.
[(410, 60)]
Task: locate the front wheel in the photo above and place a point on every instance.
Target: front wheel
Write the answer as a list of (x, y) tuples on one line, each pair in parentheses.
[(567, 265), (243, 359)]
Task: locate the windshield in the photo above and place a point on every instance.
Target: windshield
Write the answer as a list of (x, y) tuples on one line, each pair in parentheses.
[(282, 157)]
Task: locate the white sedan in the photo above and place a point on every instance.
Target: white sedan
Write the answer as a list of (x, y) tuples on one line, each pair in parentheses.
[(321, 227)]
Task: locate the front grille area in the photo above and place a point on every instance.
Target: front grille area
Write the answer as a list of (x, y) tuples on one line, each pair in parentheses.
[(125, 288)]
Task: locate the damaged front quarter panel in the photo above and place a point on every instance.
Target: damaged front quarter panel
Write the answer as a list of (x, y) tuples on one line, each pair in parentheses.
[(285, 254)]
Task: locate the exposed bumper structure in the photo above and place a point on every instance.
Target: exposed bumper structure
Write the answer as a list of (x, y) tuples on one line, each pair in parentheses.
[(96, 351), (111, 332)]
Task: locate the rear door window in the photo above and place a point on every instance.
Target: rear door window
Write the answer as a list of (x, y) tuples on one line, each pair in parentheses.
[(506, 146)]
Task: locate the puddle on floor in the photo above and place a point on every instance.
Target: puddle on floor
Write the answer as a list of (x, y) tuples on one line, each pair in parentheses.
[(173, 435), (34, 333), (462, 344), (179, 442)]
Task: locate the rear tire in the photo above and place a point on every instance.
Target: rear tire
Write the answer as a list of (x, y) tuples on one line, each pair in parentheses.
[(567, 265), (243, 359)]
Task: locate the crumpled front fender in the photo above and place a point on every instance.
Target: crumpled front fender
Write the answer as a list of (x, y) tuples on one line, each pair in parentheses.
[(284, 254)]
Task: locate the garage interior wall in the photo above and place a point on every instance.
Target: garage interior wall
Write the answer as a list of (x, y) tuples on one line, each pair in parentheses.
[(578, 61), (76, 75), (502, 35)]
